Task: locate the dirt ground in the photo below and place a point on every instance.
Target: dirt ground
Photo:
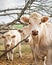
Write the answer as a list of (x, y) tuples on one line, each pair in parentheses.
[(25, 60)]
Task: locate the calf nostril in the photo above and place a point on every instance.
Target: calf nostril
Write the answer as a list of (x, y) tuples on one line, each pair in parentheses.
[(33, 32), (8, 45)]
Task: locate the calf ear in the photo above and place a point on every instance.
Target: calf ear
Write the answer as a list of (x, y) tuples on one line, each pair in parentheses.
[(3, 37), (13, 36), (20, 30), (24, 19), (44, 19)]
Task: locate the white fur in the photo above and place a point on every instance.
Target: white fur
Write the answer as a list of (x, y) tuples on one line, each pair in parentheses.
[(44, 32), (12, 42)]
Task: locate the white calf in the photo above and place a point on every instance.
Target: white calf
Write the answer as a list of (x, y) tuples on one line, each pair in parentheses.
[(11, 38), (41, 33)]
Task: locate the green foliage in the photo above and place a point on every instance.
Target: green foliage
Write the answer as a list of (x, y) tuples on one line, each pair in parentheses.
[(18, 26)]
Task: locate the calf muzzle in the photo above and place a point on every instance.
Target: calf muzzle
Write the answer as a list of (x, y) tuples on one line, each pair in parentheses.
[(34, 32), (26, 40)]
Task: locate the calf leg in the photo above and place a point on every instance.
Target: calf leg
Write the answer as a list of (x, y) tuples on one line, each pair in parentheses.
[(32, 48), (5, 51), (38, 61), (49, 57), (33, 51), (11, 55), (45, 60), (20, 54), (38, 57), (8, 54)]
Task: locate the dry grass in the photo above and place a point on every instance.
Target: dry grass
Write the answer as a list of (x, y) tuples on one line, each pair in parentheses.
[(25, 60)]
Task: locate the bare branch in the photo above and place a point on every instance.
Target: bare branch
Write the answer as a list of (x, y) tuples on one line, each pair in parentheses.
[(3, 32), (11, 9), (11, 14), (22, 12)]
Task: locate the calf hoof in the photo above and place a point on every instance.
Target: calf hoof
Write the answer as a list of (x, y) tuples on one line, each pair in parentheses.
[(11, 59), (7, 59), (20, 56)]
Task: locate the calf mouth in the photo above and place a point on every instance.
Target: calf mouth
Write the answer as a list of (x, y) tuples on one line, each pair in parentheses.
[(34, 34)]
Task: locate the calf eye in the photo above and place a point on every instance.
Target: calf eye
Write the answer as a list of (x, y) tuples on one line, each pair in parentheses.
[(3, 37), (29, 23), (13, 36), (40, 23)]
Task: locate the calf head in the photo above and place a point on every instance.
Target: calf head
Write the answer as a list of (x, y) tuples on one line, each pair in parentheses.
[(23, 34), (8, 39), (35, 21)]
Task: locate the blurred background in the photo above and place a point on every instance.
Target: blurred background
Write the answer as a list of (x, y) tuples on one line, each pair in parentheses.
[(44, 7)]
